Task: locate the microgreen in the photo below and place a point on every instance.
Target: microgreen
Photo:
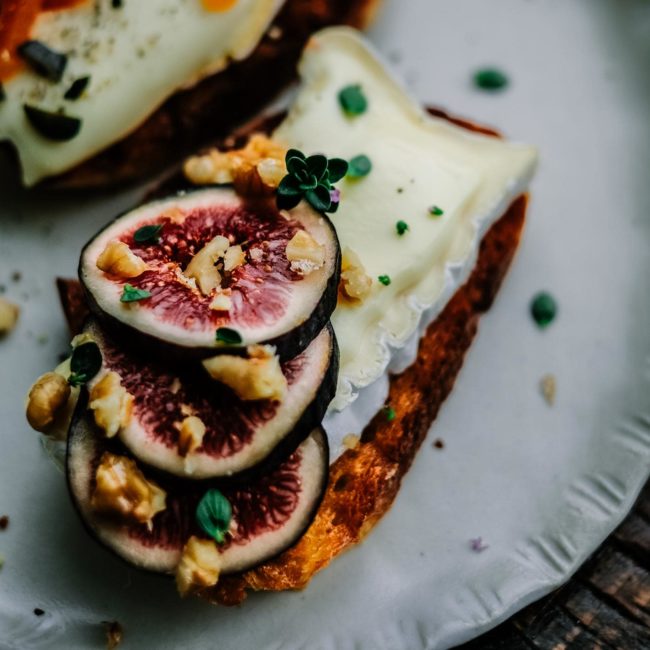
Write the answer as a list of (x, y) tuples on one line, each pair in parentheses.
[(85, 363), (213, 514), (228, 336), (133, 294), (352, 100), (311, 178)]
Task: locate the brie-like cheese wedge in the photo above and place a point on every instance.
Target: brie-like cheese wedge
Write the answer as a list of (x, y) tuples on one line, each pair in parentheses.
[(136, 56), (418, 162)]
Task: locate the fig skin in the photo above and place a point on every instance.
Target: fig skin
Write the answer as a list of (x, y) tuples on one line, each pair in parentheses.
[(288, 345), (94, 446)]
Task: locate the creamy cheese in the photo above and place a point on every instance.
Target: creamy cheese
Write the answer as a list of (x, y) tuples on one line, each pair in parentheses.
[(418, 161), (136, 56)]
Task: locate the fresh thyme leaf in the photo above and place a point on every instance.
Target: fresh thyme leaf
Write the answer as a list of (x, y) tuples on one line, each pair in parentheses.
[(148, 234), (384, 279), (228, 336), (490, 79), (214, 514), (360, 166), (352, 100), (436, 211), (401, 227), (132, 294)]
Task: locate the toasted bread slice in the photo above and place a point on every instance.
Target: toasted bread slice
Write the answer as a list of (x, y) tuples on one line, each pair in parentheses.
[(212, 108), (364, 481)]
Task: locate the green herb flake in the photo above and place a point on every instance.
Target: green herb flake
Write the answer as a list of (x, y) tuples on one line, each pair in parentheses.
[(352, 100), (543, 309), (389, 412), (436, 211), (359, 167), (214, 514), (384, 279), (148, 234), (132, 294), (401, 227), (228, 336), (85, 363), (490, 79)]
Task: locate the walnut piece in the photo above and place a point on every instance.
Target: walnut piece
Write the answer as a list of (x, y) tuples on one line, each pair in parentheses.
[(548, 386), (221, 302), (111, 404), (305, 253), (47, 398), (233, 258), (254, 378), (355, 282), (190, 435), (118, 259), (8, 316), (199, 566), (202, 266), (122, 491)]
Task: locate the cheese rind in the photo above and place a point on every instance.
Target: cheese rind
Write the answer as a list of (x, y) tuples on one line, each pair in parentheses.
[(417, 161)]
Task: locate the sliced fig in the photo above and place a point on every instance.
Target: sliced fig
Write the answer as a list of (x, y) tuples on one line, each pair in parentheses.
[(251, 291), (236, 436), (269, 514)]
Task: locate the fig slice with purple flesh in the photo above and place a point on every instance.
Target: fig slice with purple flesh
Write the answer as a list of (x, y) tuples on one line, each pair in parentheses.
[(269, 514), (213, 262), (234, 438)]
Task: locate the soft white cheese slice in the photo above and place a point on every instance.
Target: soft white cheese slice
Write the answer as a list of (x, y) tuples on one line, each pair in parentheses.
[(418, 161), (136, 55)]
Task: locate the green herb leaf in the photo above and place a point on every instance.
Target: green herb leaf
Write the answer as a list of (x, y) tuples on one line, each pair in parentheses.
[(296, 165), (352, 100), (490, 79), (436, 211), (337, 168), (148, 234), (294, 153), (317, 165), (360, 166), (543, 309), (213, 515), (85, 363), (401, 227), (319, 198), (389, 412), (228, 336), (384, 279), (132, 294)]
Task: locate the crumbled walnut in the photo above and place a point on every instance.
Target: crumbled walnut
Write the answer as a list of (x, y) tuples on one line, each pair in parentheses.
[(305, 253), (199, 566), (351, 441), (111, 404), (355, 282), (114, 634), (8, 316), (190, 435), (118, 259), (548, 386), (233, 258), (202, 266), (221, 302), (122, 490), (254, 378), (255, 170), (47, 398)]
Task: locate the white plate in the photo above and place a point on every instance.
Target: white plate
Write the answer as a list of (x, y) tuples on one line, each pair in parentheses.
[(542, 486)]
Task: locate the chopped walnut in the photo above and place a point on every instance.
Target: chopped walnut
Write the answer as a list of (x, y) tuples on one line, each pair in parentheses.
[(351, 441), (111, 404), (221, 302), (254, 378), (233, 258), (199, 566), (47, 398), (118, 259), (190, 435), (121, 490), (8, 316), (548, 386), (355, 282), (114, 634), (255, 170), (305, 253), (202, 266)]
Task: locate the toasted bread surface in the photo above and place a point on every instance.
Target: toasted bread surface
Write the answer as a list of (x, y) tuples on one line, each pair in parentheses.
[(213, 107)]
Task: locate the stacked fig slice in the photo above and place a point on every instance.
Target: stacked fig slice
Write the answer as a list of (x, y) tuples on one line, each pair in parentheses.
[(202, 426)]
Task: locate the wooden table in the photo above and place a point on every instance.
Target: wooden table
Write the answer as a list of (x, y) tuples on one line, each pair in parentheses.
[(605, 605)]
